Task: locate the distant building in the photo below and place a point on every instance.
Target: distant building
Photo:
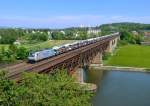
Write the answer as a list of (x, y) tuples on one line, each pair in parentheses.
[(147, 33), (63, 32), (49, 32), (27, 31), (135, 33), (49, 35), (33, 32), (146, 37), (95, 31), (77, 34)]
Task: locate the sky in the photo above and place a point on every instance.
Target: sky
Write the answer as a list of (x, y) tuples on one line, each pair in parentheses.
[(71, 13)]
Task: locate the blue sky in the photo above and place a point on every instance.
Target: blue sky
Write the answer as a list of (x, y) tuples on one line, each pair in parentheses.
[(67, 13)]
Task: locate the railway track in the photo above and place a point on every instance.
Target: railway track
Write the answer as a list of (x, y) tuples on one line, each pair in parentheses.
[(15, 72)]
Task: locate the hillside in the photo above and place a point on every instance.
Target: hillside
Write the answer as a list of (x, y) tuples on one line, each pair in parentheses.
[(125, 26)]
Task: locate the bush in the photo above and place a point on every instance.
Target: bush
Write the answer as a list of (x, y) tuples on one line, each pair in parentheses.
[(13, 48), (38, 36), (130, 38), (9, 36), (43, 90), (22, 53), (106, 55), (8, 40), (1, 57), (12, 53)]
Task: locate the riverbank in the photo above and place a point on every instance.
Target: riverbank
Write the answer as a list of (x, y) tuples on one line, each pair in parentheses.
[(118, 68), (130, 56)]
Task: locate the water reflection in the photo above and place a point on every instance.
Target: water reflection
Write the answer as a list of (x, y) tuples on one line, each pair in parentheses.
[(93, 75), (116, 88)]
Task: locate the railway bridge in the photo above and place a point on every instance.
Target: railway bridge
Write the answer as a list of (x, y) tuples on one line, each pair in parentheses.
[(83, 56)]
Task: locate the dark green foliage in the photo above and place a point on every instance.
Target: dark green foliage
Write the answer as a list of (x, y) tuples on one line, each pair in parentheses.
[(38, 36), (57, 35), (106, 55), (22, 53), (108, 28), (131, 38), (8, 39), (70, 34), (127, 36), (126, 31), (8, 55), (43, 90), (9, 36), (7, 91), (83, 35), (12, 53), (13, 48)]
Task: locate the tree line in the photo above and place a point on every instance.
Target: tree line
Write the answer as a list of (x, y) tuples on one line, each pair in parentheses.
[(125, 30), (9, 36)]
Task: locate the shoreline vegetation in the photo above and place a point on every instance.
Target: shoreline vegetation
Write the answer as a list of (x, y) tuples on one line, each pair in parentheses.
[(119, 68), (57, 89)]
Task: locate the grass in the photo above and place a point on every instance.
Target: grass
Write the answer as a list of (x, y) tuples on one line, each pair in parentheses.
[(131, 56), (47, 44), (42, 45)]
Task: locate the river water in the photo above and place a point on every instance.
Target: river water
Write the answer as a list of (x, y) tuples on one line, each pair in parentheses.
[(118, 88)]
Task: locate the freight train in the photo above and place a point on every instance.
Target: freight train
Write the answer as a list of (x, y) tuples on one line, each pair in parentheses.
[(57, 50)]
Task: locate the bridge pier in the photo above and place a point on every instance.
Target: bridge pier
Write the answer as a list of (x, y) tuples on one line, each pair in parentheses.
[(112, 45), (81, 72), (98, 59), (79, 75)]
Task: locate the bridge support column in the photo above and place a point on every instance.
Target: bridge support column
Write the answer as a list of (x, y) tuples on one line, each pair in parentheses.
[(98, 59), (112, 45), (79, 75)]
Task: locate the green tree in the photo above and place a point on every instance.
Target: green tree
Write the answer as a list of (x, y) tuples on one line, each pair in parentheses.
[(38, 36), (43, 37), (22, 53), (57, 35), (58, 89), (13, 48), (9, 36), (7, 91)]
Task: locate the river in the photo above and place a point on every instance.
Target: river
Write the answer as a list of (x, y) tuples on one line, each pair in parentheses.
[(118, 88)]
